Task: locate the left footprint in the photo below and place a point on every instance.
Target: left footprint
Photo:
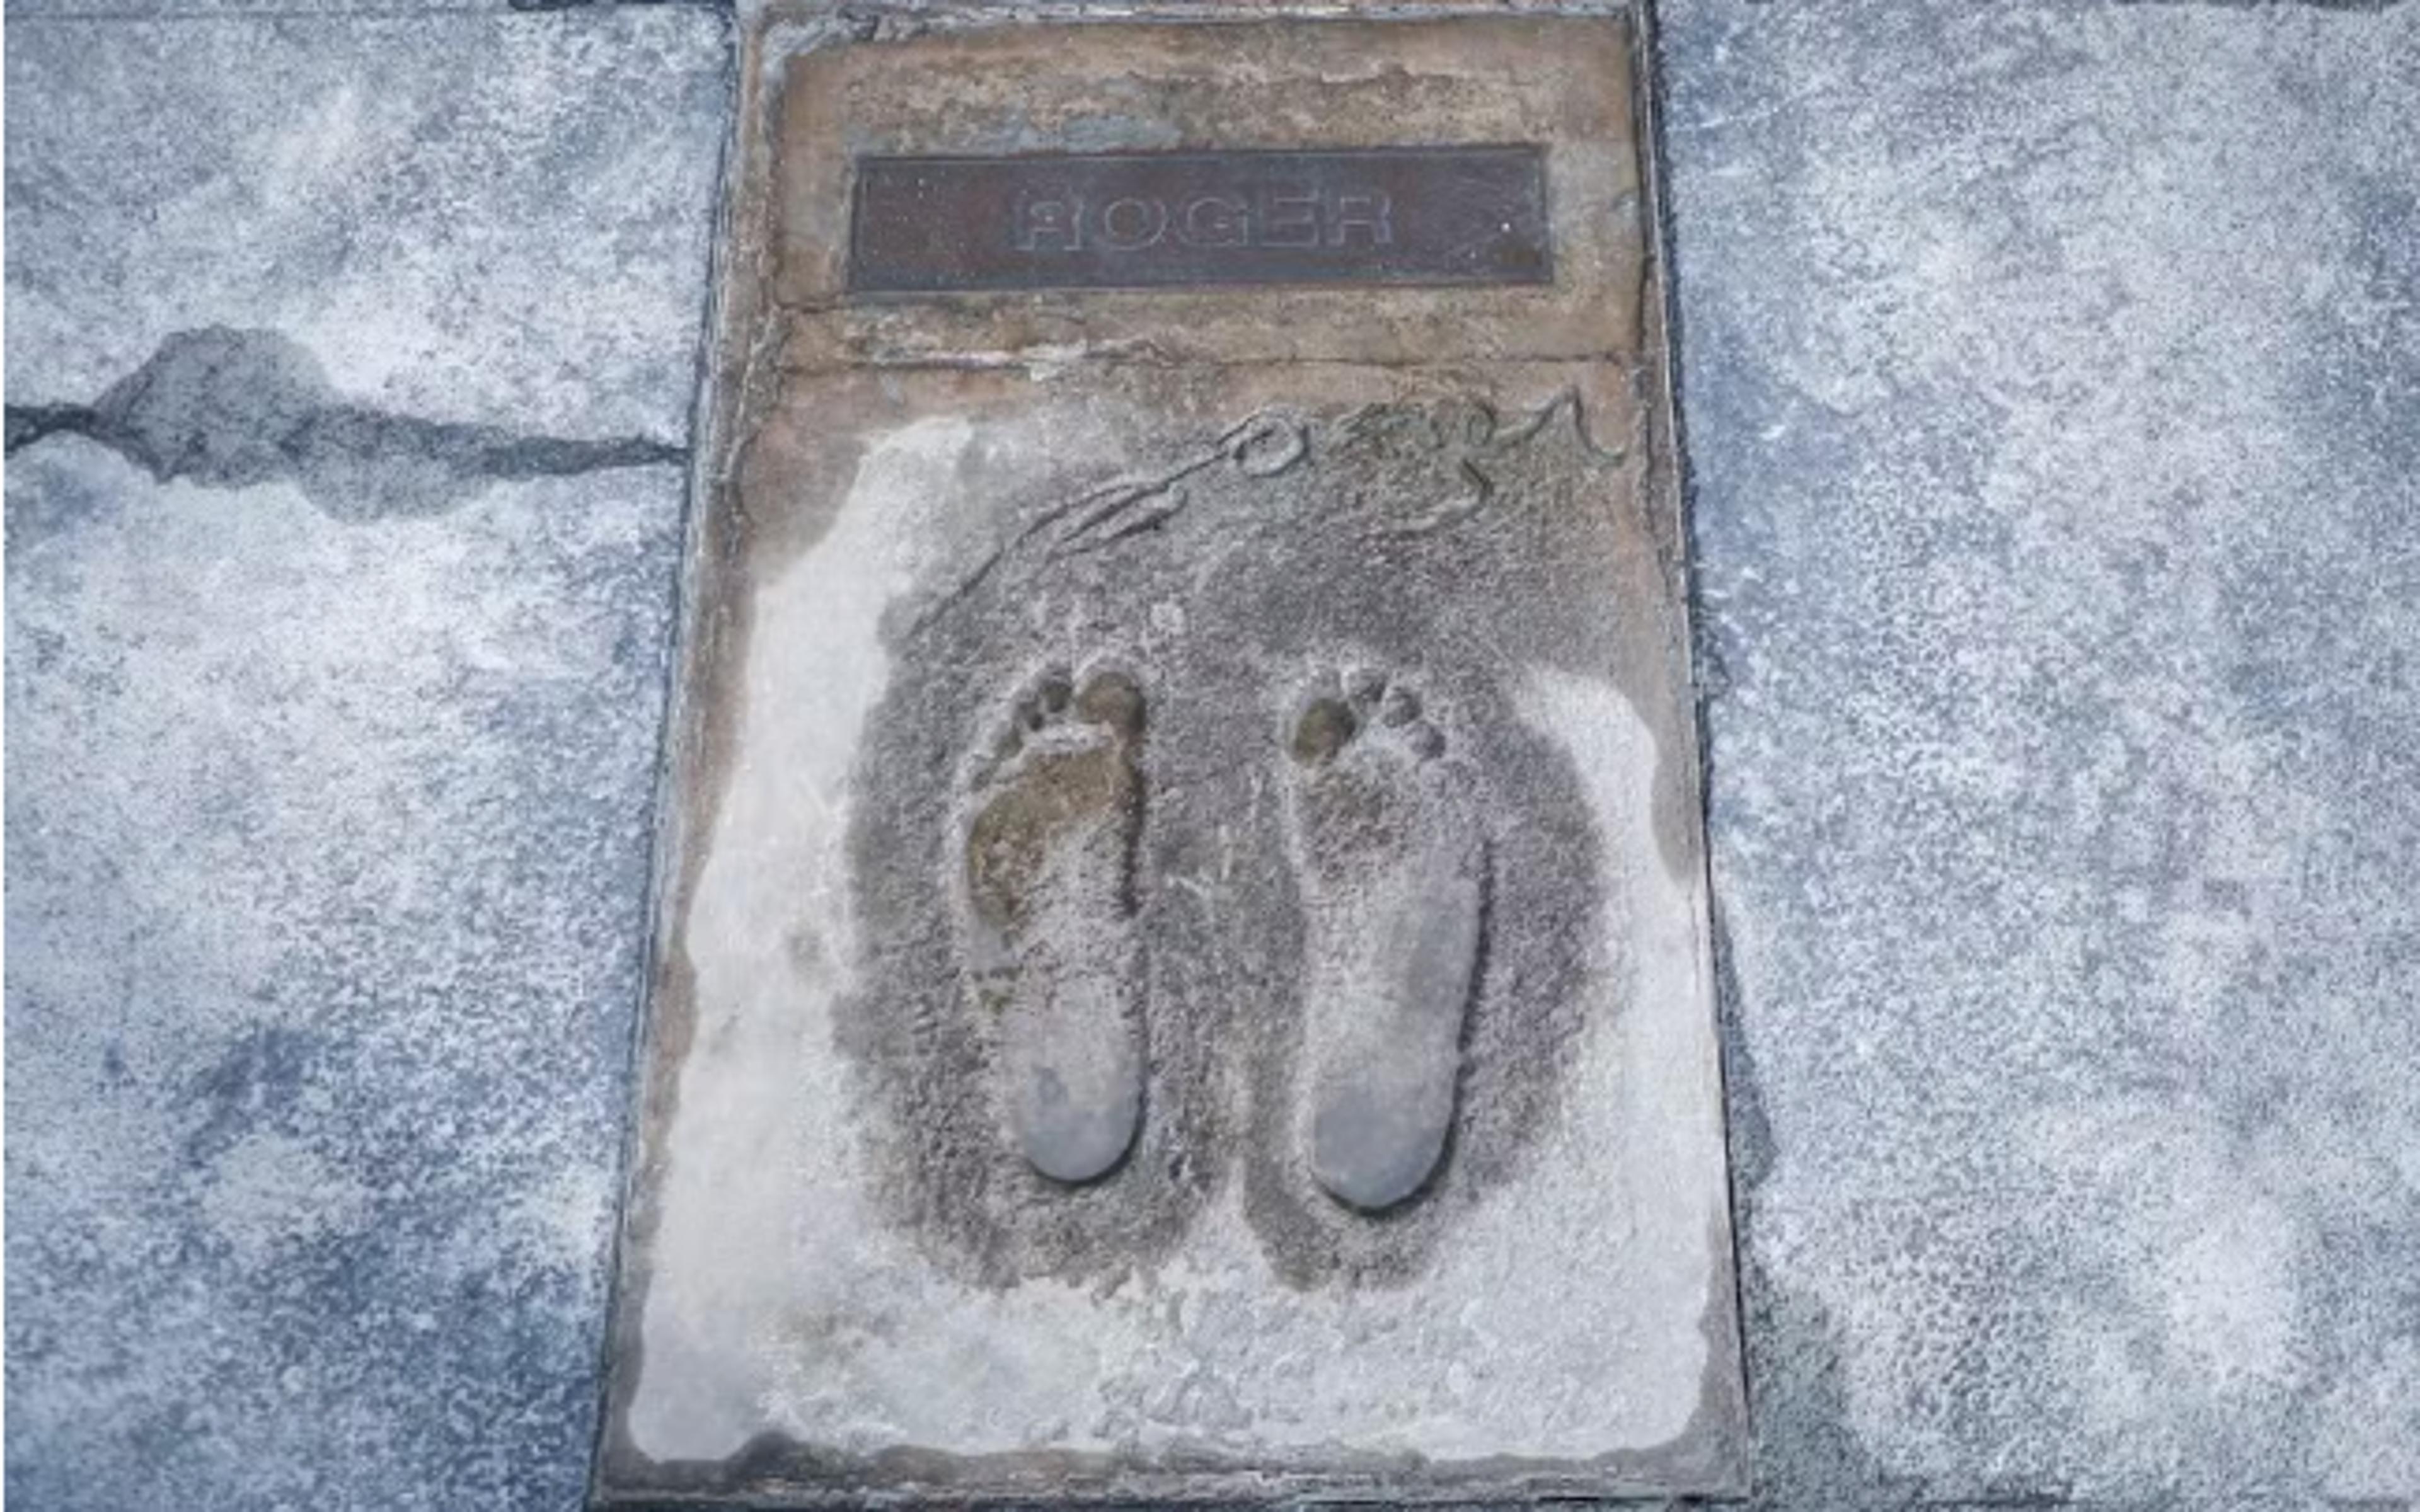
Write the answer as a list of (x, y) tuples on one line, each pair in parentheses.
[(1051, 937)]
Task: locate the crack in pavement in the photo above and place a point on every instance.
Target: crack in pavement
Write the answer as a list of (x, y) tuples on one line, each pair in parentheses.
[(231, 409)]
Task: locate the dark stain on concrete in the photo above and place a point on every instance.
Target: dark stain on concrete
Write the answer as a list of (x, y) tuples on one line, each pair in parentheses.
[(231, 409), (258, 1082)]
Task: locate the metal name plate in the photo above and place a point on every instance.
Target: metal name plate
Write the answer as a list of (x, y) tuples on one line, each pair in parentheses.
[(1387, 215)]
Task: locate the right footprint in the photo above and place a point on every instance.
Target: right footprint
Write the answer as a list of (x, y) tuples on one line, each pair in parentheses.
[(1394, 865)]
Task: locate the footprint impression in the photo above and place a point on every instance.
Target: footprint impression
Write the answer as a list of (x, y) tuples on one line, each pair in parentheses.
[(1051, 934), (1393, 868)]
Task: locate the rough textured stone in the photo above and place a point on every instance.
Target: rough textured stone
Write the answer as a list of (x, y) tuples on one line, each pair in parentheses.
[(348, 368), (112, 12), (1185, 966), (2052, 378), (2048, 367)]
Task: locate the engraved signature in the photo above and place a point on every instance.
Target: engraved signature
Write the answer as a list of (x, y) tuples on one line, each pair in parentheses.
[(1274, 441)]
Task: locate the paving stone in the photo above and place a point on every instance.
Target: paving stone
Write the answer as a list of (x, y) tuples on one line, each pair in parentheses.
[(460, 218), (2050, 374), (1186, 969), (348, 368), (114, 11)]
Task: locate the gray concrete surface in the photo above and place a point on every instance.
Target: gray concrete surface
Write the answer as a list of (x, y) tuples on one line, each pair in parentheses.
[(137, 11), (337, 618), (2051, 383), (2049, 372)]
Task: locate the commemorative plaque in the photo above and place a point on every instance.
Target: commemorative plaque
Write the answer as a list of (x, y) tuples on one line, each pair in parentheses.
[(1183, 970), (1405, 215)]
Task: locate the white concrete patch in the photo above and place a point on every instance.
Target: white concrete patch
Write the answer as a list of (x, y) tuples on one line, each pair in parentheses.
[(1563, 1321)]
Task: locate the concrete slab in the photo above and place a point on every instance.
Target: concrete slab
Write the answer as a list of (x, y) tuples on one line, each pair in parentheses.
[(1185, 968), (2050, 374), (348, 368), (112, 12)]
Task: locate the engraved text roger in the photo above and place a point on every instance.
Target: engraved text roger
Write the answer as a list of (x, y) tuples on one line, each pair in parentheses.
[(1381, 215)]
